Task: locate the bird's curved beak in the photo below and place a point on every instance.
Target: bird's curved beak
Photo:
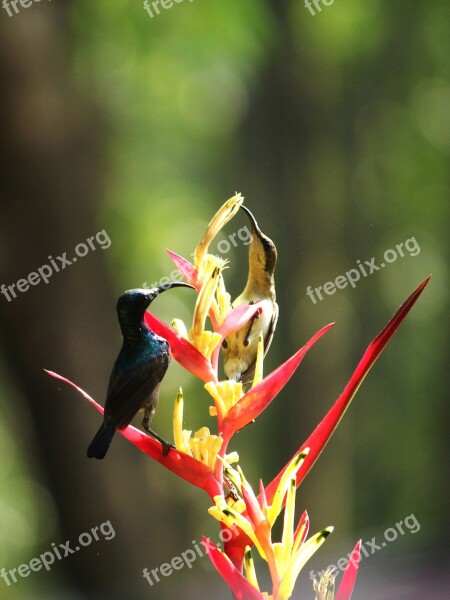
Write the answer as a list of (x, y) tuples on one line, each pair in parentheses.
[(253, 222), (154, 292)]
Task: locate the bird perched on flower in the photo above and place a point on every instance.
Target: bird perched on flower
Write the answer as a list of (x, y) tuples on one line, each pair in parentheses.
[(240, 349), (138, 371)]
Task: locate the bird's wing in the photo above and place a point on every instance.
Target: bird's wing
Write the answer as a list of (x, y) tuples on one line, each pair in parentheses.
[(272, 327), (129, 390)]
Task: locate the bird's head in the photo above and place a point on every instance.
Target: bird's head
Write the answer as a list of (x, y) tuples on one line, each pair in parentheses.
[(262, 251), (132, 304)]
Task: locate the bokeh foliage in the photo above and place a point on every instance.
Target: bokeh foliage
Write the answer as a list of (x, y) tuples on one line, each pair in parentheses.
[(336, 128)]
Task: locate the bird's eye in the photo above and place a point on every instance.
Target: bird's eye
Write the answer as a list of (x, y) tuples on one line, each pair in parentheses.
[(246, 342), (225, 344)]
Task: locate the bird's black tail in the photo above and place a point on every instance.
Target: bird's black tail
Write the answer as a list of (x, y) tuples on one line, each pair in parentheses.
[(100, 444)]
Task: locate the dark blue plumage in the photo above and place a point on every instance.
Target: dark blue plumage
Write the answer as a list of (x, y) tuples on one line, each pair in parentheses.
[(138, 371)]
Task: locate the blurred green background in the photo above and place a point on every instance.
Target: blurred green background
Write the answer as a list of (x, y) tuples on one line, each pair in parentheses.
[(336, 129)]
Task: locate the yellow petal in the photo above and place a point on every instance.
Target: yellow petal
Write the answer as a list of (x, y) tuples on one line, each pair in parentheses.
[(203, 304), (178, 422), (220, 219), (249, 565), (246, 527), (223, 300), (298, 561), (288, 525), (290, 471), (231, 458), (218, 401)]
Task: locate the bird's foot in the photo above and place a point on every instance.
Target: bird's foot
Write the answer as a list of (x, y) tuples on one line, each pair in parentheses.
[(166, 446)]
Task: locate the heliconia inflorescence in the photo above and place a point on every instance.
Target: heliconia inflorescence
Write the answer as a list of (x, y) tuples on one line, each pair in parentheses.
[(203, 458)]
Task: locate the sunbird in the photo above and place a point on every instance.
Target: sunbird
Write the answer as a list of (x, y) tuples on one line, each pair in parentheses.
[(138, 371), (239, 349)]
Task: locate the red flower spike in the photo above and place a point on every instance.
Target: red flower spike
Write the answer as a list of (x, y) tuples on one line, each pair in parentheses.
[(186, 269), (234, 321), (240, 587), (259, 397), (182, 350), (183, 465), (320, 436), (348, 580)]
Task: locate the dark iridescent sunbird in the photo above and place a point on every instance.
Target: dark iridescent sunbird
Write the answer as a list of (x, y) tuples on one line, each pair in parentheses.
[(138, 371), (239, 349)]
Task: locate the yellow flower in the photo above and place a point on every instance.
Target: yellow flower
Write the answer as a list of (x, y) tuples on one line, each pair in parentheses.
[(286, 558), (225, 395), (220, 219), (203, 446)]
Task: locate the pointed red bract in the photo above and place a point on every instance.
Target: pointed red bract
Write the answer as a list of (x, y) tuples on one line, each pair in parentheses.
[(320, 436), (303, 521), (259, 397), (186, 467), (187, 269), (348, 580), (182, 350), (240, 587), (252, 505)]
